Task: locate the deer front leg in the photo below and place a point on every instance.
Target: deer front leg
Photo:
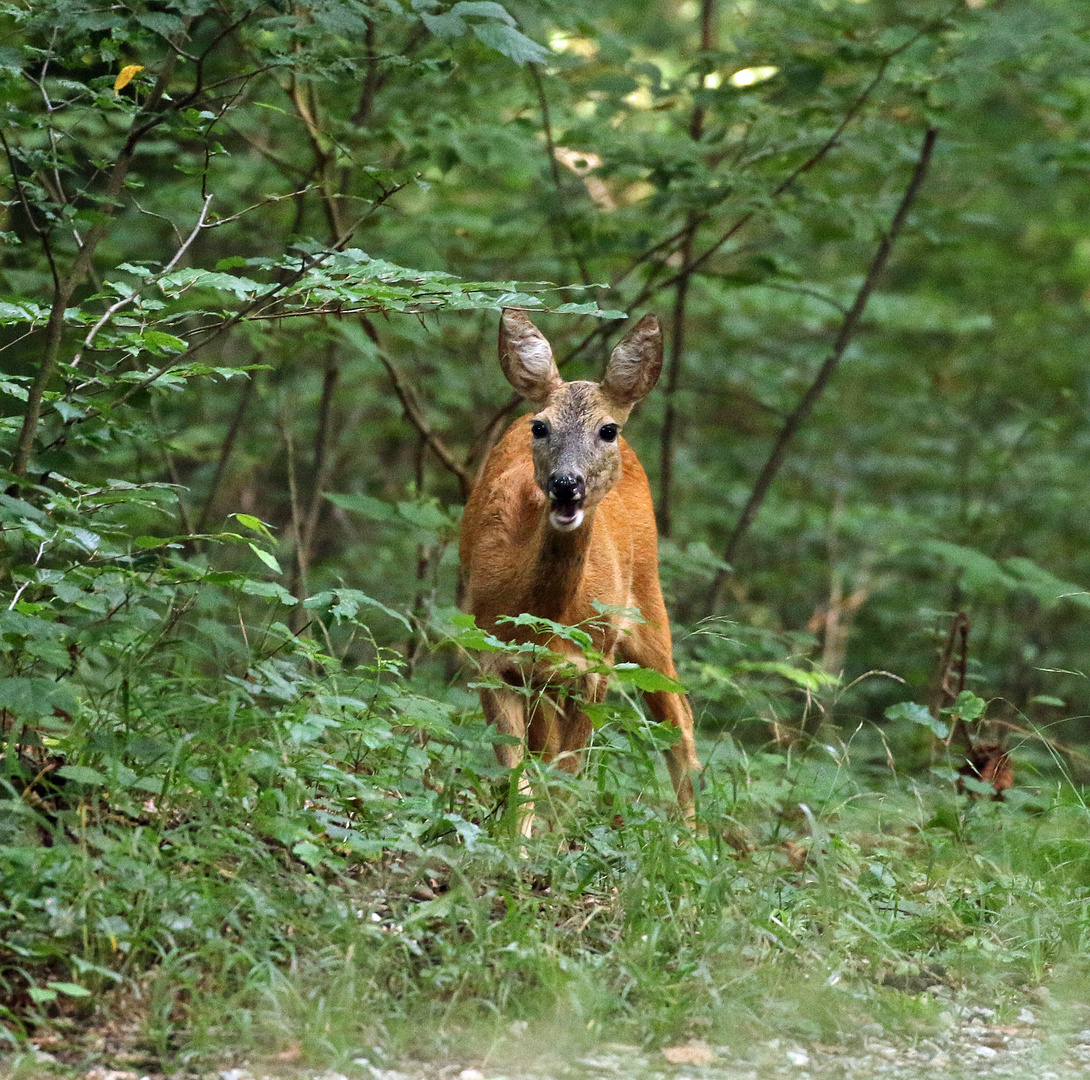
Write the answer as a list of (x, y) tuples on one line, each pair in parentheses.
[(651, 649), (681, 759), (506, 711)]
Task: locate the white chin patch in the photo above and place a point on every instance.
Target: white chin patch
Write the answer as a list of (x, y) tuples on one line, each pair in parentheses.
[(565, 522)]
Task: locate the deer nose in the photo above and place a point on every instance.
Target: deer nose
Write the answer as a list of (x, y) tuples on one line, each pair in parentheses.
[(566, 488)]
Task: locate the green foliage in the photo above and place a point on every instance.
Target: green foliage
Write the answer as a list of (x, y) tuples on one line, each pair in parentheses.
[(252, 259)]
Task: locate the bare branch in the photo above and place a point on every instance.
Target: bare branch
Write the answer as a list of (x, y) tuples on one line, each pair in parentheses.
[(42, 234), (66, 287), (123, 300), (818, 155), (848, 327), (268, 200), (554, 169), (322, 459), (414, 413)]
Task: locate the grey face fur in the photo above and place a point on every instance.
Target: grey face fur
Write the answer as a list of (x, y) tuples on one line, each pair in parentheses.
[(576, 447)]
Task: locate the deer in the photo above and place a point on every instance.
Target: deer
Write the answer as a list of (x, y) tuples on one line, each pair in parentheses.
[(560, 517)]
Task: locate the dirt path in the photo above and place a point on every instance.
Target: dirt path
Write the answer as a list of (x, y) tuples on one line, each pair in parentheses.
[(973, 1044)]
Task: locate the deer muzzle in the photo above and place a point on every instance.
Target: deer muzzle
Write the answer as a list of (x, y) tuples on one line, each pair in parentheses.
[(567, 493)]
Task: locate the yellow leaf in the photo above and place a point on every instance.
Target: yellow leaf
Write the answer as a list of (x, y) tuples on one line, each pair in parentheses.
[(125, 75)]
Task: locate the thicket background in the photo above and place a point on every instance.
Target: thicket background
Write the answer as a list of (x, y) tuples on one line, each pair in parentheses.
[(253, 259)]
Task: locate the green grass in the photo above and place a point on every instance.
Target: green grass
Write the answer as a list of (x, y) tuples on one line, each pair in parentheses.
[(815, 897)]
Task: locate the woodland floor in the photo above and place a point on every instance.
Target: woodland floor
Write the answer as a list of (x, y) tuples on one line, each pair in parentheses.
[(972, 1044)]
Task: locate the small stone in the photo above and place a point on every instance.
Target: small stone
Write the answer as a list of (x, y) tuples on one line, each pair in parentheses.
[(986, 1051), (471, 1074), (798, 1057)]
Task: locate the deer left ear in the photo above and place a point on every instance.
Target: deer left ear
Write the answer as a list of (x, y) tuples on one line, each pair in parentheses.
[(635, 365)]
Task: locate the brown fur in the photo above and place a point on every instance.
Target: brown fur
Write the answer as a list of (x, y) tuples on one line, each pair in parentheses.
[(514, 561)]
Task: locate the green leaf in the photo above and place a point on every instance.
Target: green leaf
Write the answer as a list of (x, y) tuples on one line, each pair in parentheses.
[(82, 774), (512, 43), (427, 516), (248, 521), (369, 507), (159, 343), (485, 8), (345, 604), (549, 626), (977, 786), (445, 25), (968, 706), (148, 543), (273, 590), (71, 989), (267, 558), (809, 679), (30, 697), (917, 714), (979, 571), (646, 679)]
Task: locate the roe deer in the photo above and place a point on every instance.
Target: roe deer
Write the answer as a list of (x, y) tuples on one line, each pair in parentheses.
[(560, 516)]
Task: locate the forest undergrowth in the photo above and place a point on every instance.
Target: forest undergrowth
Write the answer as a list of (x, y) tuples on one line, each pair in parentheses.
[(252, 840), (253, 258)]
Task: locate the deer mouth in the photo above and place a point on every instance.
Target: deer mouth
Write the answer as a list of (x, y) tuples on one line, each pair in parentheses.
[(567, 492), (566, 516)]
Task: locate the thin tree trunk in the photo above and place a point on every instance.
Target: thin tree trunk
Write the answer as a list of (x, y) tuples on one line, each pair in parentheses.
[(681, 297), (228, 448)]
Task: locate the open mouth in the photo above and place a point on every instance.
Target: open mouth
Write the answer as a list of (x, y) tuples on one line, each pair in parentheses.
[(566, 516)]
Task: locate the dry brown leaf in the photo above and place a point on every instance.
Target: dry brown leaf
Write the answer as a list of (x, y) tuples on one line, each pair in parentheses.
[(695, 1053), (292, 1052)]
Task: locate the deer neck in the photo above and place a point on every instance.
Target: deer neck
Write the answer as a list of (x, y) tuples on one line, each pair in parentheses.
[(558, 570)]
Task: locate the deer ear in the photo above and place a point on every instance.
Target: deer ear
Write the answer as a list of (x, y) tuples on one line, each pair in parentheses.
[(634, 365), (527, 358)]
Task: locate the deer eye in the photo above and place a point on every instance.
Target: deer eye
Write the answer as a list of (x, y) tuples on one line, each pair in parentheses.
[(539, 429), (608, 432)]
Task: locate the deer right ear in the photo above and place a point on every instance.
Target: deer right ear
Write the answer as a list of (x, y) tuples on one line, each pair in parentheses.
[(527, 358)]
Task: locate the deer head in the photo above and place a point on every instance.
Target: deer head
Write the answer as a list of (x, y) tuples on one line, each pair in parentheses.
[(575, 433)]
